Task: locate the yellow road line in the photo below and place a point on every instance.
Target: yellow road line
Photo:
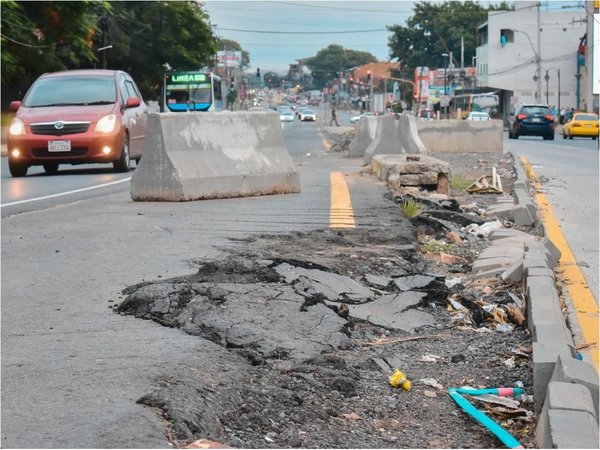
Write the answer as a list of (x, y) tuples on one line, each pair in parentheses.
[(579, 291), (325, 141), (341, 214)]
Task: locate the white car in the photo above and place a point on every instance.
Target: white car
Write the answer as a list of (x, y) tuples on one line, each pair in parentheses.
[(356, 119), (308, 115), (478, 115)]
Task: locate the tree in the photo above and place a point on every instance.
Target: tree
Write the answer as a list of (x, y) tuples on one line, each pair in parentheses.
[(40, 37), (437, 28), (330, 61), (272, 80), (146, 35), (228, 44)]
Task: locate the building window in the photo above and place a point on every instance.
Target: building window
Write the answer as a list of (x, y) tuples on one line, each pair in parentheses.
[(506, 35), (482, 36)]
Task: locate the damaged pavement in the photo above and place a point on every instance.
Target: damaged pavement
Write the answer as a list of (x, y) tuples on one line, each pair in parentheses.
[(307, 328)]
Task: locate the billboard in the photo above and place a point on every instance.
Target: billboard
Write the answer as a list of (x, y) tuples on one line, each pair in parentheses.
[(229, 58), (421, 93)]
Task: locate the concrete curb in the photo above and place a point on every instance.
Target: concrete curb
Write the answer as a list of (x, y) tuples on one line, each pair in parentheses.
[(565, 389)]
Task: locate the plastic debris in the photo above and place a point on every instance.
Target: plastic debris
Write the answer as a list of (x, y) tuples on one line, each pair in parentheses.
[(484, 229), (451, 282), (398, 379), (431, 382), (429, 358), (506, 438)]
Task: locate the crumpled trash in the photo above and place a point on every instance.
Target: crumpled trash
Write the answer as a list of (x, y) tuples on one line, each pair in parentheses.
[(398, 379), (484, 229), (431, 382)]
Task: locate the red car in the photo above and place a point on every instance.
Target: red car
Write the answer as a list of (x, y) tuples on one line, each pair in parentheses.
[(77, 117)]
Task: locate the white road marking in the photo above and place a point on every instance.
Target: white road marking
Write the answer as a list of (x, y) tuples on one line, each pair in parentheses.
[(62, 194)]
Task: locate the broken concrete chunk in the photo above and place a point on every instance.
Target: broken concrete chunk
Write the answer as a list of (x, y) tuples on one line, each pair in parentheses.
[(333, 286), (378, 280), (413, 282)]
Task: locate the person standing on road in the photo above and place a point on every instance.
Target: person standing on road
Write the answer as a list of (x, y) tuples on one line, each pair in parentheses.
[(333, 116)]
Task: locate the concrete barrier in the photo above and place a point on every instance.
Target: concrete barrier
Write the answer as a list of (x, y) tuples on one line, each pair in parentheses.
[(458, 136), (214, 155), (365, 134), (408, 135), (385, 141)]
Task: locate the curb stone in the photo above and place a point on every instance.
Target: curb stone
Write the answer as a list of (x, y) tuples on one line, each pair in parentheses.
[(565, 388)]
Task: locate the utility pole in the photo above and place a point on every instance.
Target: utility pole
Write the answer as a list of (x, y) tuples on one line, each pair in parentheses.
[(539, 54)]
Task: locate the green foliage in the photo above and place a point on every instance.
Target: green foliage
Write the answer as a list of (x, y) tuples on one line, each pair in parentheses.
[(437, 28), (435, 246), (460, 183), (328, 62), (46, 36), (271, 79), (411, 208)]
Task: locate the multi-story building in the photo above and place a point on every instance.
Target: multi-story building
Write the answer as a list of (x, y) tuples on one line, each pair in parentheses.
[(527, 53)]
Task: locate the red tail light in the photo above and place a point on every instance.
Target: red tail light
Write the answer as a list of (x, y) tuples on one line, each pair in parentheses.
[(521, 116), (549, 117), (576, 124)]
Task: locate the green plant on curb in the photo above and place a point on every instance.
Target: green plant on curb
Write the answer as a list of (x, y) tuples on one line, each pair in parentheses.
[(411, 208), (435, 246), (460, 183)]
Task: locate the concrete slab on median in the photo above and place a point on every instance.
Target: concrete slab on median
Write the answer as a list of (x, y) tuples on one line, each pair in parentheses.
[(214, 155)]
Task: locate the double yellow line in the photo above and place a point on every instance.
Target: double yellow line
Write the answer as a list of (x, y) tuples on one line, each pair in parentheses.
[(583, 300)]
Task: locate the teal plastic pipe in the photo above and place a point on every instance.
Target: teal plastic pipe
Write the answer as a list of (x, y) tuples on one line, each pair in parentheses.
[(480, 416)]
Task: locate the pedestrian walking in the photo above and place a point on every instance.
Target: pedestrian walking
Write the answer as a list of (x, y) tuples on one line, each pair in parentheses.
[(333, 116)]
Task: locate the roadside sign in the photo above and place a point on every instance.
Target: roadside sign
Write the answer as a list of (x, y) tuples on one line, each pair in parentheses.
[(444, 100)]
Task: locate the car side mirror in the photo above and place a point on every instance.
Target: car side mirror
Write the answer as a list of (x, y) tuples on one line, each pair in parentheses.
[(133, 102), (14, 106)]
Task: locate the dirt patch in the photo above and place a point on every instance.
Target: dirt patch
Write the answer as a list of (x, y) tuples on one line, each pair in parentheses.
[(308, 367)]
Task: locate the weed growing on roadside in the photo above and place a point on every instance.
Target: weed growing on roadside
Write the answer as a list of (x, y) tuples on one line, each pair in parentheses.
[(460, 183), (435, 246), (411, 208)]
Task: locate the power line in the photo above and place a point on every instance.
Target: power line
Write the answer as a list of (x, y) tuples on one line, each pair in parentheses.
[(304, 32), (337, 8), (24, 44)]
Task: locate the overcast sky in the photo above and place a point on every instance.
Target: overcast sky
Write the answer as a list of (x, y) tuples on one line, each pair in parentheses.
[(269, 30)]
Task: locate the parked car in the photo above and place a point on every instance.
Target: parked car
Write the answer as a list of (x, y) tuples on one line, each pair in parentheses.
[(356, 119), (531, 120), (583, 125), (308, 115), (77, 117), (478, 115)]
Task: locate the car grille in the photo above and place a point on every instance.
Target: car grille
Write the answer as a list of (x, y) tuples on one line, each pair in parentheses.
[(68, 128), (44, 153)]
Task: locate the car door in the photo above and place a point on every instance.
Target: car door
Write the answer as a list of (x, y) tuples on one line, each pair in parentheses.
[(136, 118)]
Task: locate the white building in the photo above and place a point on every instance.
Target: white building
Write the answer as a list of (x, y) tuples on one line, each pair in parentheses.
[(526, 64)]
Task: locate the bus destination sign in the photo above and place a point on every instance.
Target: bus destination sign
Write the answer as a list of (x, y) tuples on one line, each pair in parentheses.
[(186, 77)]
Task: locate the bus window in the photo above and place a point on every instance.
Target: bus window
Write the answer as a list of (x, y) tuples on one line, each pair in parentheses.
[(217, 90)]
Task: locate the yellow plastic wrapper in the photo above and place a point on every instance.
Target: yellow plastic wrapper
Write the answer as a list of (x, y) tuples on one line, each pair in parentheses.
[(398, 379)]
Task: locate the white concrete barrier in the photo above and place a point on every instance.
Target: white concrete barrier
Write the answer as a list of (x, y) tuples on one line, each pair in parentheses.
[(408, 135), (365, 133), (385, 141), (213, 155), (457, 136)]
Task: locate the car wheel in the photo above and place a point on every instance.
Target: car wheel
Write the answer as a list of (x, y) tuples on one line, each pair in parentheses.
[(51, 167), (122, 164), (570, 136), (551, 137), (594, 138), (515, 135), (510, 134), (564, 136), (16, 169)]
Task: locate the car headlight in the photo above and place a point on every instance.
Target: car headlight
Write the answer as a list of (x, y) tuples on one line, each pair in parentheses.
[(17, 127), (106, 124)]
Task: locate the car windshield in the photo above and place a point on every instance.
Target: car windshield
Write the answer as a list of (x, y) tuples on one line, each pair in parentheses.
[(72, 90), (308, 111), (585, 117), (535, 110)]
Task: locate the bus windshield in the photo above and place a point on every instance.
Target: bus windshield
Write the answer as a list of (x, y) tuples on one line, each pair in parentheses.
[(192, 91)]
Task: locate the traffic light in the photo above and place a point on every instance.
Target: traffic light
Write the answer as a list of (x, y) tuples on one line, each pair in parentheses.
[(368, 76), (258, 72)]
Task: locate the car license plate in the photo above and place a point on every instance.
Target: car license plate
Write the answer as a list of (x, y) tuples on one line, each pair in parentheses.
[(59, 146), (588, 125), (536, 119)]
